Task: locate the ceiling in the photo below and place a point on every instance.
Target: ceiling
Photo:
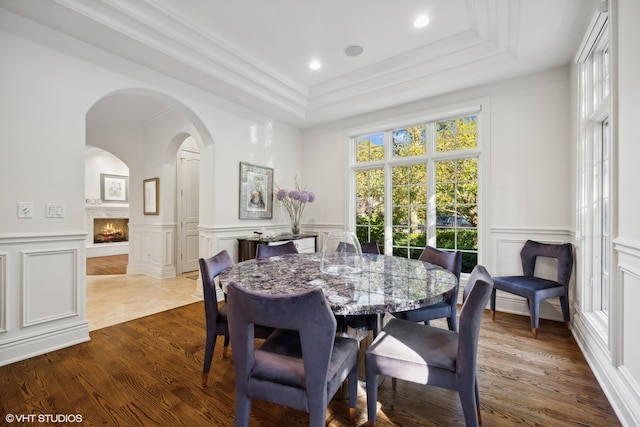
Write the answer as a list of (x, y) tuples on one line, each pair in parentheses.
[(256, 52)]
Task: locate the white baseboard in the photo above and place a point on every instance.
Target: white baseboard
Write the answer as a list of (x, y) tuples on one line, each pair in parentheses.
[(27, 346)]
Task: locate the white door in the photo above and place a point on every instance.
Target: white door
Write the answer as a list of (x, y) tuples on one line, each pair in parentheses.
[(188, 207)]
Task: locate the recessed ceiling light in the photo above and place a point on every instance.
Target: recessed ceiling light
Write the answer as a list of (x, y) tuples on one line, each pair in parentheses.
[(421, 21), (315, 64), (353, 50)]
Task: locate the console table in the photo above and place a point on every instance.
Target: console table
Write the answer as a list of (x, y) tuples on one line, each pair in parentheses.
[(305, 243)]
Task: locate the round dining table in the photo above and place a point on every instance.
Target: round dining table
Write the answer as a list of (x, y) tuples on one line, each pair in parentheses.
[(381, 284)]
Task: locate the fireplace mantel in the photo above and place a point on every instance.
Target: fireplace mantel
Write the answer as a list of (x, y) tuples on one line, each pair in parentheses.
[(104, 211)]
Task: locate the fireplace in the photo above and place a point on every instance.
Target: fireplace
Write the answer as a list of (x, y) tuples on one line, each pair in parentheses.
[(109, 230)]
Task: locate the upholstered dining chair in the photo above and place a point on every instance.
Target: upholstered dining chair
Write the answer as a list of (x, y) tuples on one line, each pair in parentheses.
[(434, 356), (367, 248), (264, 251), (536, 289), (301, 365), (370, 248), (451, 261), (216, 316)]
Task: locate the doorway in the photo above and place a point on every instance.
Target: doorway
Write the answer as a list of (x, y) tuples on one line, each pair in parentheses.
[(188, 207)]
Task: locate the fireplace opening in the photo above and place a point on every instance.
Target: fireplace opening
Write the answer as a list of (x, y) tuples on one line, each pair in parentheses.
[(109, 230)]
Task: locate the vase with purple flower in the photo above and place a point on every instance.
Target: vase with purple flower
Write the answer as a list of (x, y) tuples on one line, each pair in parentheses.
[(295, 201)]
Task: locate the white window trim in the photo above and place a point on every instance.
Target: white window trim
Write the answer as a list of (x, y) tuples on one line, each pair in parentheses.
[(600, 326), (483, 152)]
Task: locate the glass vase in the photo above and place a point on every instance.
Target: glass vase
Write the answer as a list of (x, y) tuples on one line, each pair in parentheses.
[(295, 228), (341, 253)]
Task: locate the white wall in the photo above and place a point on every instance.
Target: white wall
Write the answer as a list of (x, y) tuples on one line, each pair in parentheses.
[(528, 187), (99, 162), (48, 83)]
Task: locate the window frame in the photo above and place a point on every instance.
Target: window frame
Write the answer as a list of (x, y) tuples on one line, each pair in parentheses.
[(595, 100), (479, 107)]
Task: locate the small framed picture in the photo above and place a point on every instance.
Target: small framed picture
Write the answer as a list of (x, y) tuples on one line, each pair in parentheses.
[(256, 192), (151, 193), (114, 188)]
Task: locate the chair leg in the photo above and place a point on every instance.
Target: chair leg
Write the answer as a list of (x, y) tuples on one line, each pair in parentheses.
[(493, 304), (226, 346), (209, 347), (394, 382), (534, 312), (469, 406), (478, 402), (372, 391)]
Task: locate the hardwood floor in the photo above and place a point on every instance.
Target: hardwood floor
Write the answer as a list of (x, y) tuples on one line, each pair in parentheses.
[(147, 372), (114, 264)]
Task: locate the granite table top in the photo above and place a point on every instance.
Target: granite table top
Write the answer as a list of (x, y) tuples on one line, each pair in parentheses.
[(383, 283)]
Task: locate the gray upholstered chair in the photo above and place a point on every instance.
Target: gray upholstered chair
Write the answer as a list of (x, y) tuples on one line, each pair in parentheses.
[(536, 289), (370, 248), (216, 316), (433, 356), (264, 251), (452, 261), (301, 365), (367, 248)]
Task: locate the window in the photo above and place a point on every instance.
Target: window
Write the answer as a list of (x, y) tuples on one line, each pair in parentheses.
[(594, 169), (418, 185)]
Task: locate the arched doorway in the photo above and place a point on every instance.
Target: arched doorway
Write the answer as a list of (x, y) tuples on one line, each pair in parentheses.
[(146, 130)]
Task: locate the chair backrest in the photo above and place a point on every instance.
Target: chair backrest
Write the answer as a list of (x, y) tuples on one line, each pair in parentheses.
[(210, 268), (562, 252), (308, 313), (265, 251), (479, 273), (370, 248), (452, 261), (367, 248), (477, 291)]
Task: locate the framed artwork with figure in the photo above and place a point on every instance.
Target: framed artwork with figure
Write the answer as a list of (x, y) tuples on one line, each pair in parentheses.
[(256, 191)]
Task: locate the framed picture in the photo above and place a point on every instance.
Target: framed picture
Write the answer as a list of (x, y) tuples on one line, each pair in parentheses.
[(151, 192), (256, 192), (114, 188)]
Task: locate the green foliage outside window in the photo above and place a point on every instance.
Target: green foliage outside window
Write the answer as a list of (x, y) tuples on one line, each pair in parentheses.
[(456, 189)]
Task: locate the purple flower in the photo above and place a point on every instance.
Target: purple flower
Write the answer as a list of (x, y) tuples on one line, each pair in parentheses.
[(282, 193), (294, 194), (312, 197), (304, 197)]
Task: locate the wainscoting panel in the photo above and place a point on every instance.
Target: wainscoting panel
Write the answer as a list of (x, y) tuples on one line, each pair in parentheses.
[(616, 361), (505, 261), (3, 292), (42, 294), (152, 250), (49, 285)]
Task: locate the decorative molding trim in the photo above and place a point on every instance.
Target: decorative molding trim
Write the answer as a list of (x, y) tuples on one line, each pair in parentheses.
[(27, 346), (618, 384), (29, 270), (627, 246), (14, 238), (3, 292)]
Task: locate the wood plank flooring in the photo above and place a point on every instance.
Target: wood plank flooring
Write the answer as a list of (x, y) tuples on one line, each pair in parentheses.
[(146, 372), (114, 264)]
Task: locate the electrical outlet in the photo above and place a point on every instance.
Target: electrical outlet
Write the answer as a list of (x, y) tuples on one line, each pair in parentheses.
[(25, 209)]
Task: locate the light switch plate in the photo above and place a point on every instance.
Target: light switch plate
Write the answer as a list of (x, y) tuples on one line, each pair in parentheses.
[(25, 209), (54, 210)]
